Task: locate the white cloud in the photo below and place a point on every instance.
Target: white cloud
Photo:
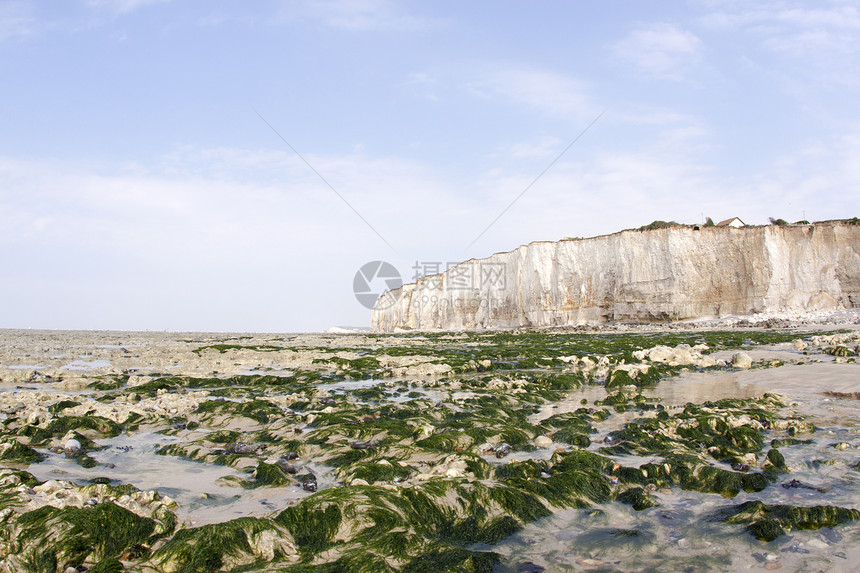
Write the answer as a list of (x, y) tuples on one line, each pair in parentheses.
[(661, 51)]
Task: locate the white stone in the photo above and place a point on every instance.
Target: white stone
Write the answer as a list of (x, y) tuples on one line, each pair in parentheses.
[(741, 360), (72, 445), (543, 441)]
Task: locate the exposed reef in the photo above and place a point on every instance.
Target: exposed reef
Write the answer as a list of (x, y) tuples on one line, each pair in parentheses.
[(316, 453)]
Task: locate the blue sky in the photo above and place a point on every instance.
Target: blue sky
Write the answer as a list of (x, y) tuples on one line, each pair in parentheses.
[(139, 188)]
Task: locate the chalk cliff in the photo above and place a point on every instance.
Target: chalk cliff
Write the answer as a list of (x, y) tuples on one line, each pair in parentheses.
[(674, 273)]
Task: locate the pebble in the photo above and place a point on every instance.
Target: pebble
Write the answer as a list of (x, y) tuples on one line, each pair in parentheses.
[(309, 482), (243, 449), (310, 486), (72, 446), (287, 466), (543, 442), (830, 535), (741, 360), (360, 445), (503, 450)]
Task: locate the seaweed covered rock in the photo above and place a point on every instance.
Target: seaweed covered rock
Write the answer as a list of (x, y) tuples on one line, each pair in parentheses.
[(72, 536), (637, 497), (225, 546), (767, 522), (433, 522)]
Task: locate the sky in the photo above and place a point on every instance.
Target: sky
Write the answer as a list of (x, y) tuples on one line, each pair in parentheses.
[(224, 166)]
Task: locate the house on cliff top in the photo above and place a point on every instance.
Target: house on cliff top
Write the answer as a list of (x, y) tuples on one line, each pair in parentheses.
[(733, 222)]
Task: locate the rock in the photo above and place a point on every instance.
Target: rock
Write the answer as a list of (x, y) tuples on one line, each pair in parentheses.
[(245, 463), (287, 466), (358, 481), (244, 449), (502, 450), (308, 481), (543, 441), (72, 446), (360, 445), (741, 360)]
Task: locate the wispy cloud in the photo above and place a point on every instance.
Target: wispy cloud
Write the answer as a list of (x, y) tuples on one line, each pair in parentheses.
[(16, 19), (122, 6), (549, 92), (360, 15), (539, 147), (661, 51), (826, 38)]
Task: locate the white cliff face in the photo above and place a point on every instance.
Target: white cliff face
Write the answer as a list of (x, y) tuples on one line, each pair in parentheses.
[(667, 274)]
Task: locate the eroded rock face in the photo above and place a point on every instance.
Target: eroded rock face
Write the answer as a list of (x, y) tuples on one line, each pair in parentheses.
[(667, 274)]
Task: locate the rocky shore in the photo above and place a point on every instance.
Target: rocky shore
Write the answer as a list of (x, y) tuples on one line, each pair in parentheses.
[(443, 451)]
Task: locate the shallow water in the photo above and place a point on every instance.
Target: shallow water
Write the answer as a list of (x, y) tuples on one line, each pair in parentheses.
[(201, 491), (677, 534)]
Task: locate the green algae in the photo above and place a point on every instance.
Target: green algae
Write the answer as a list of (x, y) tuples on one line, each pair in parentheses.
[(82, 535), (261, 411), (15, 452), (222, 348), (637, 498), (767, 522), (776, 461), (211, 547), (60, 426)]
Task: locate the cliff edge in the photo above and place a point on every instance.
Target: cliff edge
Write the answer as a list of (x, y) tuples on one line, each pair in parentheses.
[(674, 273)]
